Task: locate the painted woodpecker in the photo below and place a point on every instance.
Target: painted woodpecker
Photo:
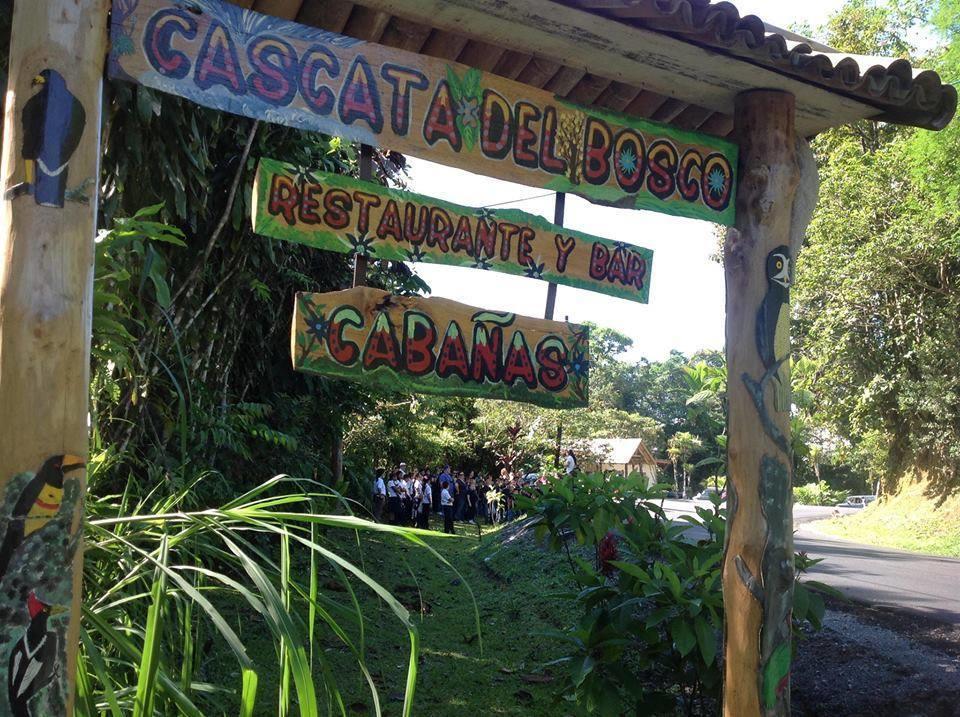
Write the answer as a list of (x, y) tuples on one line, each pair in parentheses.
[(37, 505), (773, 324), (52, 121), (33, 660)]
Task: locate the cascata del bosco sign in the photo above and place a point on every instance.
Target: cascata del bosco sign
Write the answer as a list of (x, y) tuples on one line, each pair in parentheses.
[(222, 56), (338, 213), (440, 346)]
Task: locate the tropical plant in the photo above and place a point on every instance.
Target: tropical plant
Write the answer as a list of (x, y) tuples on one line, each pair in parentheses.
[(681, 447), (650, 601), (172, 589)]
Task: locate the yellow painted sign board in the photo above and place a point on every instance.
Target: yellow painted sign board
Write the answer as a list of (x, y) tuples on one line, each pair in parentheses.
[(339, 213), (426, 345), (222, 56)]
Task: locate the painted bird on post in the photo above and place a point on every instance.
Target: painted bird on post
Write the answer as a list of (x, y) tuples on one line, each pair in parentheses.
[(773, 325), (52, 122), (33, 660), (37, 505)]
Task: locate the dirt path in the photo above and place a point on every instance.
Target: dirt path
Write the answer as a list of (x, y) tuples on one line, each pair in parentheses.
[(878, 663)]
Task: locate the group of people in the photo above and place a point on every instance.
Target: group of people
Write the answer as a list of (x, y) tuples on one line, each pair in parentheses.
[(409, 497)]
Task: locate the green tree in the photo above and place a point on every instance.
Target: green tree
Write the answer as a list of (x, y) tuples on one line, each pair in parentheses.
[(876, 294), (681, 447)]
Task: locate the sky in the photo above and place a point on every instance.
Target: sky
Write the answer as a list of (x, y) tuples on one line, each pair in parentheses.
[(686, 308)]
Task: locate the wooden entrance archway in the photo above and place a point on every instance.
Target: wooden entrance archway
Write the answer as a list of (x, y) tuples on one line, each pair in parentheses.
[(691, 64)]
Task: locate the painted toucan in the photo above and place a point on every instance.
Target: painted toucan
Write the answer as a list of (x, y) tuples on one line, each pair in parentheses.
[(773, 324), (33, 660), (37, 505), (53, 121)]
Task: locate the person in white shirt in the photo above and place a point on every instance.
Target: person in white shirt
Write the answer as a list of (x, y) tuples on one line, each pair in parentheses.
[(393, 498), (426, 504), (570, 463), (379, 497), (446, 503)]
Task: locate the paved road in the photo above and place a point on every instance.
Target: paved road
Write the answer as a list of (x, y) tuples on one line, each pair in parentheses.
[(918, 583)]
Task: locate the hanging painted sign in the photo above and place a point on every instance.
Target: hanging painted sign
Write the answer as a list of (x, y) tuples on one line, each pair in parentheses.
[(228, 58), (440, 346), (338, 213)]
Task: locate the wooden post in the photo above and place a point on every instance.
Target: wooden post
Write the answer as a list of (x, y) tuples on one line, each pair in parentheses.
[(49, 178), (366, 174), (558, 207), (758, 562)]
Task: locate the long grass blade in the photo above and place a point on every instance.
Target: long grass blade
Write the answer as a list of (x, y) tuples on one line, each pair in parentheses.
[(152, 636)]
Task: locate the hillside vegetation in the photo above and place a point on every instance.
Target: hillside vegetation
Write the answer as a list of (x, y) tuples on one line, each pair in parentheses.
[(909, 520)]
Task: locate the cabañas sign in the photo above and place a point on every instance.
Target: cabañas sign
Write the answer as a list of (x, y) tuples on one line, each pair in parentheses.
[(440, 346), (339, 213), (228, 58)]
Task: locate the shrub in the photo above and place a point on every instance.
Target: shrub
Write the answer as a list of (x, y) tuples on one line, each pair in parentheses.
[(818, 494), (648, 639)]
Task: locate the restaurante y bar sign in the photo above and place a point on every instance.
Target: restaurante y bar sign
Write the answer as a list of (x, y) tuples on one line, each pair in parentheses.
[(338, 213), (440, 346), (228, 58)]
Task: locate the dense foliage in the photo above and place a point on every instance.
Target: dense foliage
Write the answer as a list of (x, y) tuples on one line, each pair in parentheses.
[(650, 603), (877, 299)]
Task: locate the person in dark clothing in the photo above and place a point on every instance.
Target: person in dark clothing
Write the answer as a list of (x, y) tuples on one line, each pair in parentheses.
[(446, 502), (435, 485), (470, 510), (460, 497)]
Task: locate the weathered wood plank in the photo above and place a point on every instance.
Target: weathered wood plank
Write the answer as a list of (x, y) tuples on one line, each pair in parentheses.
[(330, 15), (405, 34), (48, 209), (446, 45), (635, 56), (439, 346), (366, 23)]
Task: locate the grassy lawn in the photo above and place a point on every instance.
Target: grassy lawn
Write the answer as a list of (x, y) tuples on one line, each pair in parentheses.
[(511, 581), (909, 521)]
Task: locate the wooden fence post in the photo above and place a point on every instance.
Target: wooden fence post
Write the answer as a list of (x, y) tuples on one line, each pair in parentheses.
[(49, 179), (758, 562)]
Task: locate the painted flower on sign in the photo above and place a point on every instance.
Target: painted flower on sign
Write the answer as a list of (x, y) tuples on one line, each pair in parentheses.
[(481, 263), (318, 327), (487, 214), (627, 161), (416, 254), (716, 182), (579, 365), (534, 270), (468, 111), (361, 244), (466, 93)]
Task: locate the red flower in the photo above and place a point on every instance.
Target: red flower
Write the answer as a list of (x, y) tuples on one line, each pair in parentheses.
[(607, 552)]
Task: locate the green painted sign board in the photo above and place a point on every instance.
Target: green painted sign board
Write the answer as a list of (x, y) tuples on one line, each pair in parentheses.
[(431, 345), (339, 213)]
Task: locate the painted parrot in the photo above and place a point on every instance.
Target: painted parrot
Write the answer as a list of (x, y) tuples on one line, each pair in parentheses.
[(37, 505), (773, 325), (33, 659), (53, 121)]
